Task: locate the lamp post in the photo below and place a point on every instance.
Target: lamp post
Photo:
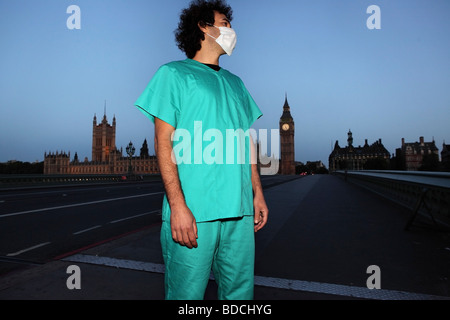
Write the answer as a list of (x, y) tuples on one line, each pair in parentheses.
[(130, 151)]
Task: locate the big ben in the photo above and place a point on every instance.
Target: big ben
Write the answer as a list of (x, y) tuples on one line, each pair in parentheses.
[(287, 148)]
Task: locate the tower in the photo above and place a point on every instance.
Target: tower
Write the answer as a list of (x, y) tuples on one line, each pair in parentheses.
[(144, 150), (103, 139), (350, 138), (287, 148)]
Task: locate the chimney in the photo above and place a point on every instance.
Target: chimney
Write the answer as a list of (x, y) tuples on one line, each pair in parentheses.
[(421, 141), (403, 142)]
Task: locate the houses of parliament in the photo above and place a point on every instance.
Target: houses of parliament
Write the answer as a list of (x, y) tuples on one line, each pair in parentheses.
[(107, 159)]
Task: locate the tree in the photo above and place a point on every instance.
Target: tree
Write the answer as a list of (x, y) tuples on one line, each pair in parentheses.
[(430, 162), (18, 167), (376, 164)]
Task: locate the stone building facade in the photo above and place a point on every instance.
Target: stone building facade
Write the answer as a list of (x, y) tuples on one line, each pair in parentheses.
[(445, 157), (106, 158), (374, 156), (287, 138), (411, 154)]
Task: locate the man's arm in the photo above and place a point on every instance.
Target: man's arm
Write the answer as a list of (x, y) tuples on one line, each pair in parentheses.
[(259, 203), (182, 221)]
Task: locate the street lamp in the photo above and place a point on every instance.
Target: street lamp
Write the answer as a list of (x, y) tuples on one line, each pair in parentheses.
[(130, 151)]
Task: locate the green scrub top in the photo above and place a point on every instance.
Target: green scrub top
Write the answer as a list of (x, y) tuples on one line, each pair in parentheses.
[(212, 113)]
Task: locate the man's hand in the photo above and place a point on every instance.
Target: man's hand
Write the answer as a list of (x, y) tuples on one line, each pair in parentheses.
[(259, 204), (182, 221), (261, 212), (184, 227)]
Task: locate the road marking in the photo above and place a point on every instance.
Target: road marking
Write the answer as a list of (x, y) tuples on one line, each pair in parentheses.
[(279, 283), (115, 221), (19, 261), (343, 290), (118, 263), (75, 189), (136, 216), (79, 204), (86, 230), (28, 249)]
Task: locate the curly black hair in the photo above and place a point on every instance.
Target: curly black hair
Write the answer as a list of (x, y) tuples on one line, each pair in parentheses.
[(188, 35)]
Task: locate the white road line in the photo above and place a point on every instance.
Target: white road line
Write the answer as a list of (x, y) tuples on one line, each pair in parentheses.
[(28, 249), (78, 204), (343, 290), (76, 189), (295, 285), (86, 230), (115, 221), (136, 216)]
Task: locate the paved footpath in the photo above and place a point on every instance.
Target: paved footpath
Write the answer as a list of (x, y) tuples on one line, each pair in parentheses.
[(323, 235)]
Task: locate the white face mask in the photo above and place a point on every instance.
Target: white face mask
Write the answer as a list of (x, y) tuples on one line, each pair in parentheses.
[(227, 39)]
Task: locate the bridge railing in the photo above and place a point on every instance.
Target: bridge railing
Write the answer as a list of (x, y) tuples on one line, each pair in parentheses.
[(426, 193), (19, 180)]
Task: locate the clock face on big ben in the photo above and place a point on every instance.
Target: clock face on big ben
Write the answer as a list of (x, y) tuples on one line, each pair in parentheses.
[(285, 127)]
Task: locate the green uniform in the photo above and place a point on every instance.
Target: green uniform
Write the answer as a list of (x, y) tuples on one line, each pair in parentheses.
[(225, 246), (212, 112)]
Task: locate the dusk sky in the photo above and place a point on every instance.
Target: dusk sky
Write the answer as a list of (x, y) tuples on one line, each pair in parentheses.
[(389, 83)]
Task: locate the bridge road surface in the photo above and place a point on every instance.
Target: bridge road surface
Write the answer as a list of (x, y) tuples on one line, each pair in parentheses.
[(322, 236), (328, 231), (40, 224)]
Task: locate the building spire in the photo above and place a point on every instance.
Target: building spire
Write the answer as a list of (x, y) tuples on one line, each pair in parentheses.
[(104, 113), (286, 104), (286, 109), (350, 138)]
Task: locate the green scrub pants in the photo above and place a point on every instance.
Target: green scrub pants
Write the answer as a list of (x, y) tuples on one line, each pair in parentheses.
[(225, 246)]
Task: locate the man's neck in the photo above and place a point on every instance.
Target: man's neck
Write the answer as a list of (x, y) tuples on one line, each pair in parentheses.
[(206, 57)]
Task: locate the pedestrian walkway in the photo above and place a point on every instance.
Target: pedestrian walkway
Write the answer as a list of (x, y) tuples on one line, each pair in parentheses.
[(323, 235)]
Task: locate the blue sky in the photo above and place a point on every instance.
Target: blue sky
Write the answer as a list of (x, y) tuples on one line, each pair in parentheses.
[(387, 84)]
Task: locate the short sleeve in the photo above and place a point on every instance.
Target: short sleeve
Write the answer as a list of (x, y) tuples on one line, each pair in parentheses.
[(254, 112), (161, 98)]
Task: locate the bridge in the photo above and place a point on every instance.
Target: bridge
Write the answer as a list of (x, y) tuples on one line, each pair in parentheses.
[(351, 235), (424, 192)]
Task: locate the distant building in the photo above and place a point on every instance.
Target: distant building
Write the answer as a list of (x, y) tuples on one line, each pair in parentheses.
[(445, 157), (267, 165), (287, 145), (106, 158), (316, 165), (374, 156), (311, 167), (411, 154)]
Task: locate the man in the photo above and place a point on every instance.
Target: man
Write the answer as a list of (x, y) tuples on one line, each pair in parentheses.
[(213, 202)]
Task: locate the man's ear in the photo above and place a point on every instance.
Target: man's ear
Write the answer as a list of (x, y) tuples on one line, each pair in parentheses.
[(202, 26)]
